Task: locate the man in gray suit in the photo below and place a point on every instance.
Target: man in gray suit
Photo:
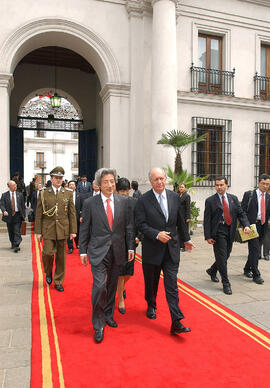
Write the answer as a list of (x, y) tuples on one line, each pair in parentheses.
[(106, 230)]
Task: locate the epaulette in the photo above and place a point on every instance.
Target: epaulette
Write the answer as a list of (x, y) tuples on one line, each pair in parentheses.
[(67, 188), (43, 188)]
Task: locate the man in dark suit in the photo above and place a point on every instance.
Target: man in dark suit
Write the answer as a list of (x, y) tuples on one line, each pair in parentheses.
[(220, 220), (13, 209), (256, 204), (158, 217), (78, 207), (84, 187), (106, 225), (34, 198)]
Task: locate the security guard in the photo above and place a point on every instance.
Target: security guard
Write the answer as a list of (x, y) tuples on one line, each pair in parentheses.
[(55, 222)]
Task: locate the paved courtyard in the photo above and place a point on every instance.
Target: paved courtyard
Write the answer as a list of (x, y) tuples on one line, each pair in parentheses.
[(250, 300)]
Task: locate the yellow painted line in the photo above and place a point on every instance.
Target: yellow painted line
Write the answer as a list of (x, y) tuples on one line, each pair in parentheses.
[(56, 343), (232, 320), (226, 314), (45, 345), (227, 320)]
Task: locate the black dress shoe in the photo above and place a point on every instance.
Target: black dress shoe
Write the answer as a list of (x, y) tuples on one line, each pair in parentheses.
[(17, 249), (258, 280), (99, 335), (212, 276), (227, 289), (59, 287), (150, 313), (122, 310), (111, 322), (124, 294), (266, 257), (49, 279), (70, 250), (177, 328), (248, 274)]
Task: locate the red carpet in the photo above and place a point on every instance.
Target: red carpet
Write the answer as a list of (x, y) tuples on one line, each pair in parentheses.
[(222, 350)]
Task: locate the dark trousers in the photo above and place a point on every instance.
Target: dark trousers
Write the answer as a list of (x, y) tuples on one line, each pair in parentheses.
[(14, 230), (76, 239), (54, 249), (151, 274), (254, 252), (105, 278), (266, 242), (222, 250)]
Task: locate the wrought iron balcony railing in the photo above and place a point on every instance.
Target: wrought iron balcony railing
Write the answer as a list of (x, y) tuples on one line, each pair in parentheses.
[(261, 87), (212, 81), (40, 133), (39, 164)]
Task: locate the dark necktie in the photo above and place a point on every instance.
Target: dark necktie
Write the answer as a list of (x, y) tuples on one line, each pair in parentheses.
[(56, 193), (12, 204), (262, 209), (109, 213), (226, 211)]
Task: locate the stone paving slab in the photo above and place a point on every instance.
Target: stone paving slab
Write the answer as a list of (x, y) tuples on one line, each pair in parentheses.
[(16, 279)]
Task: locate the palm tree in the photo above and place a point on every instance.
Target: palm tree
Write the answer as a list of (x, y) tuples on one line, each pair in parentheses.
[(179, 140)]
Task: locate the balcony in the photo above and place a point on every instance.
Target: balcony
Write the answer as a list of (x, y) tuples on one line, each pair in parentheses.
[(74, 164), (40, 133), (39, 164), (261, 87), (212, 81)]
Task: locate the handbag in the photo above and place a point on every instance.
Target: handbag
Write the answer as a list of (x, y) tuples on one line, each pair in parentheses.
[(23, 228)]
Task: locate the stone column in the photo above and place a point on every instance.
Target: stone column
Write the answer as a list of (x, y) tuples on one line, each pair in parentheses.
[(115, 143), (6, 84), (164, 78)]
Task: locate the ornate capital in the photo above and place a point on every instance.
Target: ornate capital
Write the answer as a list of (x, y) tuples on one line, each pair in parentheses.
[(7, 81), (138, 8)]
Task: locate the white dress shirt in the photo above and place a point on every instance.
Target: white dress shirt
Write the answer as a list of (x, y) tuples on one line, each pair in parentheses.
[(15, 199), (259, 198), (164, 198), (104, 200)]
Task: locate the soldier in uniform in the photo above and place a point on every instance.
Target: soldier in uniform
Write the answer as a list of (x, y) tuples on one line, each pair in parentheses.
[(55, 223)]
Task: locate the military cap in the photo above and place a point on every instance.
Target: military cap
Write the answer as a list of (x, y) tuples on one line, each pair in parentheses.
[(57, 171)]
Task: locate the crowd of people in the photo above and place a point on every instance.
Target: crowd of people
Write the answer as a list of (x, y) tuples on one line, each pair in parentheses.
[(106, 224)]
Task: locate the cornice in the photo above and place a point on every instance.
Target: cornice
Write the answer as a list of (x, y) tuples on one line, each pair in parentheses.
[(7, 81), (266, 3), (222, 101), (116, 90)]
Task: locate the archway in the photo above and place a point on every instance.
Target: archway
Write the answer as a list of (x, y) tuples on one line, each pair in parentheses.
[(67, 34)]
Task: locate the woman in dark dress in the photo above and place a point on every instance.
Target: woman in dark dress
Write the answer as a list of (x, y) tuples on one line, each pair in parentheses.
[(185, 207), (127, 270)]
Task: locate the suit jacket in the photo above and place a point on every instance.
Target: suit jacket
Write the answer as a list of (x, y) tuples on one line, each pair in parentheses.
[(63, 222), (150, 220), (86, 189), (5, 205), (251, 208), (185, 205), (34, 201), (96, 237), (213, 216)]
